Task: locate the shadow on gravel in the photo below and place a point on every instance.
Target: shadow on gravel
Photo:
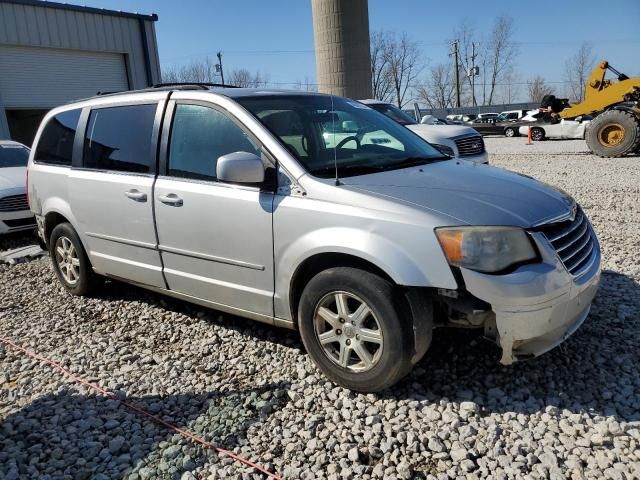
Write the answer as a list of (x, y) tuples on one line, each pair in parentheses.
[(85, 436), (114, 290), (595, 371), (16, 240)]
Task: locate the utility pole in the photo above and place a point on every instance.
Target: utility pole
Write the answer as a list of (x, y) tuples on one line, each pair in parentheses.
[(219, 55), (473, 73), (456, 72)]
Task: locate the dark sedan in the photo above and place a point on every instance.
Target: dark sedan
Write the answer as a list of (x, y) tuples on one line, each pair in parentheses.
[(489, 126)]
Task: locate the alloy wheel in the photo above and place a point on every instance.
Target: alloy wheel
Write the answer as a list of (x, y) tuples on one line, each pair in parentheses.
[(67, 260), (348, 331)]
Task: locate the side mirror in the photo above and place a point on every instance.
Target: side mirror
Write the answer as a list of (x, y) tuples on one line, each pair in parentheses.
[(240, 167), (578, 119)]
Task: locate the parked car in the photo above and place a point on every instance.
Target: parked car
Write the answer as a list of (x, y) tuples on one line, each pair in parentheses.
[(511, 115), (431, 120), (14, 208), (454, 140), (460, 119), (563, 129), (490, 126), (232, 199), (488, 115)]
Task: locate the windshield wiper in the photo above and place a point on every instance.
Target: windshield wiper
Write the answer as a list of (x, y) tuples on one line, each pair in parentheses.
[(347, 170)]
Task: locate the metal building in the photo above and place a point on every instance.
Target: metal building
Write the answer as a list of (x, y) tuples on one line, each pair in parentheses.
[(52, 53), (341, 33)]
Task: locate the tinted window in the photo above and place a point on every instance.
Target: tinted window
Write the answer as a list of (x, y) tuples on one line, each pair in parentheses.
[(199, 136), (119, 138), (56, 142), (13, 156)]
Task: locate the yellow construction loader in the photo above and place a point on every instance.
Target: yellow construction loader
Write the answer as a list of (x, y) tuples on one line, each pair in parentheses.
[(615, 131)]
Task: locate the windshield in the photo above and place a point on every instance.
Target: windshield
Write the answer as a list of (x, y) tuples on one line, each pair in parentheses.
[(325, 132), (393, 112), (13, 156)]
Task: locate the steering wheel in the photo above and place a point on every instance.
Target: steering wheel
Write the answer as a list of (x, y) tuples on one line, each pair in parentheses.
[(348, 139)]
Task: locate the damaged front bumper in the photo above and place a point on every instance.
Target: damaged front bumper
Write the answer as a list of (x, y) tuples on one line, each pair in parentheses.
[(537, 306)]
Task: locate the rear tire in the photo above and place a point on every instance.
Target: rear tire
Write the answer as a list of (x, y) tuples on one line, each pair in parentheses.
[(613, 133), (70, 261), (537, 134), (351, 324)]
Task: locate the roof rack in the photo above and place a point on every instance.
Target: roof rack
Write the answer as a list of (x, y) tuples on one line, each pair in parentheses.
[(202, 85)]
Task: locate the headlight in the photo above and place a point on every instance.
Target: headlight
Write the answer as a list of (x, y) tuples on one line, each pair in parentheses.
[(485, 249), (444, 149)]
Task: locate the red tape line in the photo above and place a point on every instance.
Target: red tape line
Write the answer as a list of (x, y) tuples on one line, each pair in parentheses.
[(188, 435)]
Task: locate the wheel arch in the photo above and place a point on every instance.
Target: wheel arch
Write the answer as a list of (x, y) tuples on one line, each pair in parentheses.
[(319, 262)]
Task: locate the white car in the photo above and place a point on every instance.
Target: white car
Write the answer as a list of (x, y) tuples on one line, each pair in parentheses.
[(564, 129), (457, 141), (14, 208)]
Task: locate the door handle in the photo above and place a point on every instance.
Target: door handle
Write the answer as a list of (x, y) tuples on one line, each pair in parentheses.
[(171, 199), (136, 195)]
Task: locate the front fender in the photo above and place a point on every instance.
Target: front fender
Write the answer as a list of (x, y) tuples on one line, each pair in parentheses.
[(390, 257)]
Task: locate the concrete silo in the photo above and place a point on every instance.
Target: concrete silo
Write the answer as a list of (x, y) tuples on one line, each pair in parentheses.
[(341, 33)]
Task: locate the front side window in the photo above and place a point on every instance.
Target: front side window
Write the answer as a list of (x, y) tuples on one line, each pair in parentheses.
[(55, 146), (12, 155), (199, 136), (119, 138), (327, 133)]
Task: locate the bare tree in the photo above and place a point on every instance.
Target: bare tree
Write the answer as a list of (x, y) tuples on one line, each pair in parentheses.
[(306, 85), (381, 85), (404, 64), (537, 88), (199, 71), (577, 70), (439, 90), (244, 78), (510, 86), (500, 54)]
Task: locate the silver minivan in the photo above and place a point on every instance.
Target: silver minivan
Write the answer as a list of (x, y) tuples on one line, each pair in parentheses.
[(310, 212)]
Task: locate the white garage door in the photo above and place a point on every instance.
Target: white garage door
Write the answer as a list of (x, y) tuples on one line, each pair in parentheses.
[(32, 77)]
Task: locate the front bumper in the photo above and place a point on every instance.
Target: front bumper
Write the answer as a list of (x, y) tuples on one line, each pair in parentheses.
[(15, 220), (537, 306)]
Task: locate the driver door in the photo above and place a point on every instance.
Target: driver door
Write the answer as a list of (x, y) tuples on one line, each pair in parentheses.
[(215, 238)]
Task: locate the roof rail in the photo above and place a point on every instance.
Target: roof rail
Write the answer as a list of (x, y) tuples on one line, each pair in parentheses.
[(203, 85)]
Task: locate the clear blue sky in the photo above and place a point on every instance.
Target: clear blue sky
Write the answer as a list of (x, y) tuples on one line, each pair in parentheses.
[(276, 36)]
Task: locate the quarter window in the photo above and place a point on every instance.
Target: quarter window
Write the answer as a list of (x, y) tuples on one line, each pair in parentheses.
[(55, 146), (119, 138), (199, 136)]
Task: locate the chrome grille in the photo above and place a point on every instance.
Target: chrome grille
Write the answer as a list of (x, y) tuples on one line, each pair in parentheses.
[(14, 203), (573, 240), (469, 145)]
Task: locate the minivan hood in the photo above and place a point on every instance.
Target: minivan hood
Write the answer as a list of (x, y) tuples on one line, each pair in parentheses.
[(469, 193), (13, 177)]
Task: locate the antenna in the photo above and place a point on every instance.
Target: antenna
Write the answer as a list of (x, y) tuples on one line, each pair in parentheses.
[(335, 150)]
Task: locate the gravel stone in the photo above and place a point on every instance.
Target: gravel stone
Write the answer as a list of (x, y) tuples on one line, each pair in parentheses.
[(573, 413)]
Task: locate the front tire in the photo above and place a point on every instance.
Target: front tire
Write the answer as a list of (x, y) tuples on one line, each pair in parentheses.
[(352, 328), (613, 133), (510, 132), (70, 261)]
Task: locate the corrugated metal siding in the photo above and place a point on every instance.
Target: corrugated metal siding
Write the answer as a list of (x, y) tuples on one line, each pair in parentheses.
[(42, 26), (33, 77)]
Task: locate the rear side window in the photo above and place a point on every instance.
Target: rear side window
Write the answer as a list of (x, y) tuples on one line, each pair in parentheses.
[(119, 138), (55, 146)]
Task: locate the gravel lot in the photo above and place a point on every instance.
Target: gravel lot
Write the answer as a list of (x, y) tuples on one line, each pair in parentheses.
[(573, 413)]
